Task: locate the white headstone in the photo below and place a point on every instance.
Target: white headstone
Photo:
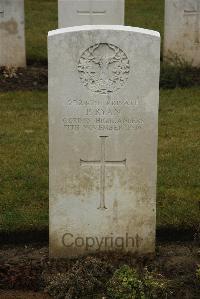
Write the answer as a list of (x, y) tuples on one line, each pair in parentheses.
[(103, 126), (12, 40), (182, 30), (90, 12)]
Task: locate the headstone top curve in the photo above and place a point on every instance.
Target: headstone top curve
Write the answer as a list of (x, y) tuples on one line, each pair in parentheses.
[(104, 27)]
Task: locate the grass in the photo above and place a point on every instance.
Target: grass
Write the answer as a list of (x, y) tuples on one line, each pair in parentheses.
[(24, 160), (145, 14), (178, 159), (42, 16)]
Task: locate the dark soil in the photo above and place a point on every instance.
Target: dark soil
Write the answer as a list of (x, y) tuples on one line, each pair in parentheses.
[(31, 78), (35, 77), (26, 268), (22, 295)]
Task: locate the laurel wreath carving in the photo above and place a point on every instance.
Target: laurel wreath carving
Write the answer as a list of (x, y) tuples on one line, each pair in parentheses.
[(103, 68)]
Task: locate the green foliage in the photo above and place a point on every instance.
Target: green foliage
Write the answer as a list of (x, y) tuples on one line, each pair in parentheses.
[(126, 283), (176, 72), (156, 286), (84, 278)]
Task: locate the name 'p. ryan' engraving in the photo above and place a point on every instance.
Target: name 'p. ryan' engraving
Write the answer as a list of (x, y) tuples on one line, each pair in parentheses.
[(102, 163)]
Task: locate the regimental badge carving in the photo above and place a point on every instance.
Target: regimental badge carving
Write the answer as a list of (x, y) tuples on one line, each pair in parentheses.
[(103, 68)]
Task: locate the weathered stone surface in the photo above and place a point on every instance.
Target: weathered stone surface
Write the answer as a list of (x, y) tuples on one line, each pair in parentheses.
[(90, 12), (12, 40), (103, 114), (182, 30)]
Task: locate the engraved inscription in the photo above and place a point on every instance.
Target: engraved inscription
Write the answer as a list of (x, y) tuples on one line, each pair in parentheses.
[(103, 68), (90, 12), (195, 13), (102, 163), (102, 114), (102, 124), (97, 102)]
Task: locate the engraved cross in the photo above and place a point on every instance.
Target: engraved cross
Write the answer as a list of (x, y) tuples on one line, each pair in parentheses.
[(91, 12), (102, 163), (196, 14)]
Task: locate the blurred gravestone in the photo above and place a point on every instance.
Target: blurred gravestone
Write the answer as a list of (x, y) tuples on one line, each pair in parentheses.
[(103, 126), (182, 31), (90, 12), (12, 40)]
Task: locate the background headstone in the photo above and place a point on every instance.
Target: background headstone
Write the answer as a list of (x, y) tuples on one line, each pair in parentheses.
[(12, 39), (103, 126), (182, 30), (90, 12)]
